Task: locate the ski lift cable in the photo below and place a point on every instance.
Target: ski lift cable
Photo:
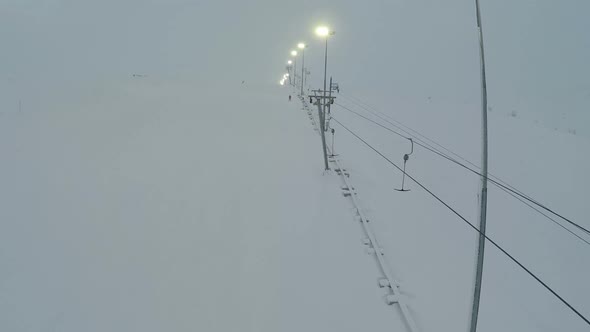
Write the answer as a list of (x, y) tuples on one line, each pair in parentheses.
[(368, 107), (360, 104), (431, 148), (428, 146), (506, 189), (503, 186), (506, 253), (515, 194), (373, 110), (496, 181), (414, 134), (381, 114), (545, 215)]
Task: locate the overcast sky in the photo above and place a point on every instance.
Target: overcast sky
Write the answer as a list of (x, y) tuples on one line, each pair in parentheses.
[(537, 50)]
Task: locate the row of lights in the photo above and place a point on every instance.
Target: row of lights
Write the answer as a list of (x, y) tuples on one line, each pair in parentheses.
[(285, 77), (321, 31)]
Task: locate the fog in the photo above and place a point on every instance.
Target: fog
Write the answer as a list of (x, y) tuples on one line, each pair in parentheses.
[(162, 59), (536, 50)]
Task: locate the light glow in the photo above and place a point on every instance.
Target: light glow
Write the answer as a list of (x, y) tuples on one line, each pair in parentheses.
[(322, 31), (294, 53), (289, 62), (301, 45)]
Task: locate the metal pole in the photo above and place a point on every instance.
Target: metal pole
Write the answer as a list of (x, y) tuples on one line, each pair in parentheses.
[(325, 71), (484, 179), (324, 106), (333, 154), (322, 133), (302, 68), (294, 71), (330, 100)]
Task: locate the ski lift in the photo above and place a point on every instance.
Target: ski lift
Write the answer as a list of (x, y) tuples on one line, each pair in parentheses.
[(333, 154), (406, 158)]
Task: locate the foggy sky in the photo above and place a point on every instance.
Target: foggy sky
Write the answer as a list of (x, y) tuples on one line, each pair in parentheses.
[(536, 50)]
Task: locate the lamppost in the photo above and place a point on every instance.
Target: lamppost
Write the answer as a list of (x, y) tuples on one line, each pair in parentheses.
[(484, 177), (289, 66), (294, 55), (302, 47), (282, 81), (325, 32)]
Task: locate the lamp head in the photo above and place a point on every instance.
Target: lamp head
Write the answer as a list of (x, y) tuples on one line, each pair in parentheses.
[(322, 31)]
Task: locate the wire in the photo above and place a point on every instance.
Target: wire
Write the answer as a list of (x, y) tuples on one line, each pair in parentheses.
[(497, 182), (374, 111), (546, 216), (360, 103), (470, 224), (375, 122)]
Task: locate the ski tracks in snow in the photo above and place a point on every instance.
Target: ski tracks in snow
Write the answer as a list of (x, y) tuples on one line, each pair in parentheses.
[(387, 281)]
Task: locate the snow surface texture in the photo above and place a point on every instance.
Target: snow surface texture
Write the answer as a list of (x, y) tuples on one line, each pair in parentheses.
[(180, 200), (373, 247), (149, 209), (434, 251), (128, 211)]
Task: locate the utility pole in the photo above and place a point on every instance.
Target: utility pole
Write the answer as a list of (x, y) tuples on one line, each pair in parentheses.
[(302, 67), (325, 32), (484, 178), (302, 47), (333, 87), (294, 72), (330, 103), (325, 72), (289, 72), (321, 100)]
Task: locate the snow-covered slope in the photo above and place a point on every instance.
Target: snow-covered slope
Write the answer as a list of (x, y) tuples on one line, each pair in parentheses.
[(151, 208), (148, 208), (434, 250)]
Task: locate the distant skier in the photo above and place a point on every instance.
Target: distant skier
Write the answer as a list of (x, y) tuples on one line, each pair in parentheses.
[(289, 97)]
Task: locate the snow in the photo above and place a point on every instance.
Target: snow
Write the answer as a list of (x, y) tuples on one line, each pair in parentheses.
[(434, 250), (151, 209), (144, 187), (148, 208)]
